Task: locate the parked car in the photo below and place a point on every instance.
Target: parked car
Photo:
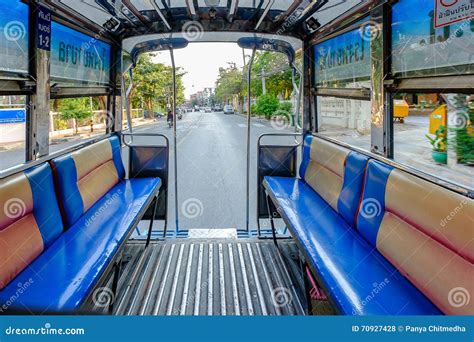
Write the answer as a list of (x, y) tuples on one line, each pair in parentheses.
[(207, 109), (217, 108), (228, 109), (150, 115)]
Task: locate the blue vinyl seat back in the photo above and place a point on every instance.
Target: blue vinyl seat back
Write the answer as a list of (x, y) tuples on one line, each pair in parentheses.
[(334, 173), (410, 221), (30, 220), (84, 176)]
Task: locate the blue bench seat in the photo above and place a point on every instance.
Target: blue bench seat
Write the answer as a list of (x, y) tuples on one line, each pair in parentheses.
[(379, 240), (62, 277), (69, 219), (356, 277)]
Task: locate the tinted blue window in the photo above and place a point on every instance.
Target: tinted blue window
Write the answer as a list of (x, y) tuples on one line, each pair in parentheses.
[(421, 48), (344, 60), (77, 57), (13, 36)]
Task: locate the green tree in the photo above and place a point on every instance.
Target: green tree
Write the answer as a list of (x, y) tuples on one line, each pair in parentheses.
[(75, 109), (277, 73), (266, 105), (229, 84), (153, 84), (464, 129)]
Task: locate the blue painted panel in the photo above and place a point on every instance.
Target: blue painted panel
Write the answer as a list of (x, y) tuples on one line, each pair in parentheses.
[(349, 197), (12, 115), (308, 140), (117, 156), (70, 198), (372, 206), (45, 204)]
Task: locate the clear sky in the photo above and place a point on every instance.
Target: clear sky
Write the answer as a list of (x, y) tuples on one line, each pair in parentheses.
[(202, 61)]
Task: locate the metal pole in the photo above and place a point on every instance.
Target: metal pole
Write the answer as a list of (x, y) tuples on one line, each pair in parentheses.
[(248, 138), (92, 115), (127, 99), (175, 148), (298, 90)]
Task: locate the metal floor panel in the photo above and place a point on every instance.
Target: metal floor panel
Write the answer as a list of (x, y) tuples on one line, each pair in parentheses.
[(210, 277)]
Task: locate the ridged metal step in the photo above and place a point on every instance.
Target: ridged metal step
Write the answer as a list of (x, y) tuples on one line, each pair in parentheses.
[(210, 277)]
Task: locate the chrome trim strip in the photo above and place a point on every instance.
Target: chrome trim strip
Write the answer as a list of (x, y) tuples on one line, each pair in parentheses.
[(210, 280), (222, 280), (260, 294), (248, 295), (264, 14), (267, 276), (151, 286), (235, 292), (184, 301), (197, 290), (160, 13), (163, 282), (175, 280)]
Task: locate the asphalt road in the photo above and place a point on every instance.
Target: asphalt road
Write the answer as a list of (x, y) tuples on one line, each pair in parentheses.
[(212, 167)]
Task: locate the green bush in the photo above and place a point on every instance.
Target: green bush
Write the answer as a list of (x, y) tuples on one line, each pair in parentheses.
[(286, 106), (253, 109), (59, 124), (267, 105), (75, 108), (282, 113)]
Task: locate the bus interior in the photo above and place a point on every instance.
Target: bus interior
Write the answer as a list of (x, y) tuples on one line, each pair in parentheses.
[(329, 227)]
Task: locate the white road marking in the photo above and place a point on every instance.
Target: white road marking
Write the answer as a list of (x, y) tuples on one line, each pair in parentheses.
[(241, 125)]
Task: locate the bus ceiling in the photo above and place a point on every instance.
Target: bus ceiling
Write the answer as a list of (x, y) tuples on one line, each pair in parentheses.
[(121, 19)]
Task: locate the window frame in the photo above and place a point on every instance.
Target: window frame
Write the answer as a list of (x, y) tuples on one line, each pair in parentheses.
[(381, 14)]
